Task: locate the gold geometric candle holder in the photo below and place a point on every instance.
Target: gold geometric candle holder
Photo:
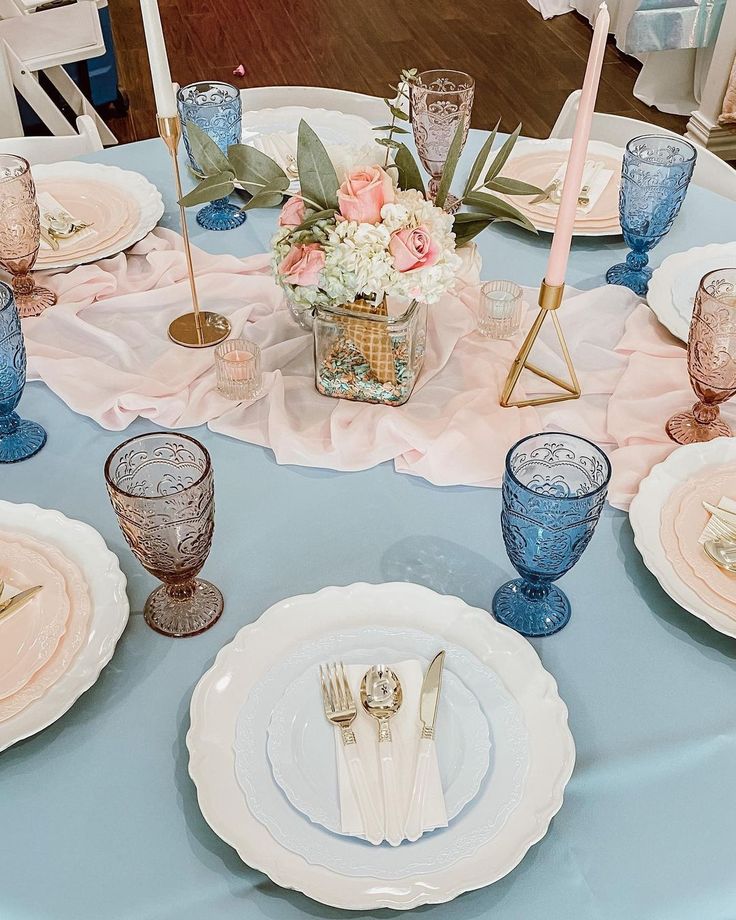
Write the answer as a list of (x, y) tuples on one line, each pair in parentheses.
[(200, 328), (550, 298)]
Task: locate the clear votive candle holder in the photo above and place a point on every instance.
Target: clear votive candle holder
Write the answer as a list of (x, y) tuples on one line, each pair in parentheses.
[(238, 369), (499, 314)]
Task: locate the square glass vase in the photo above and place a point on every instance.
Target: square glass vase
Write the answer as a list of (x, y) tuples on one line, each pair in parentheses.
[(369, 351)]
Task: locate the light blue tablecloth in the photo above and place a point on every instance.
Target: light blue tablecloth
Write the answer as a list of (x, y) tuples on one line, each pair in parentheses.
[(98, 818)]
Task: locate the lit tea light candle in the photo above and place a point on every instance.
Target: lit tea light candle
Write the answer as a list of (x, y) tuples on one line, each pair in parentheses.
[(240, 364)]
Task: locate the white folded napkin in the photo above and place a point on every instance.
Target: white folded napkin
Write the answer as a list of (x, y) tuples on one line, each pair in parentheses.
[(597, 187), (709, 531), (405, 729), (47, 204)]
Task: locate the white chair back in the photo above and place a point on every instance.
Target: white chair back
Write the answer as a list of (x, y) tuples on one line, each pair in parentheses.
[(711, 171), (55, 149), (371, 108)]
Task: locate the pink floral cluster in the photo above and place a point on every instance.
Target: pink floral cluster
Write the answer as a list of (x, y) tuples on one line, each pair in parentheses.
[(360, 198)]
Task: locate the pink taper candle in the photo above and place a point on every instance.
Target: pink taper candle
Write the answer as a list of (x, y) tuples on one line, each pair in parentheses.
[(560, 251)]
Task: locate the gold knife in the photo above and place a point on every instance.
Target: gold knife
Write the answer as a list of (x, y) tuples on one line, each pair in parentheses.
[(428, 705), (19, 600)]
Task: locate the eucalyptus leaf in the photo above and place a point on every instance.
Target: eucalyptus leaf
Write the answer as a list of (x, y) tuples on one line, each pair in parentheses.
[(207, 155), (512, 187), (466, 226), (397, 112), (316, 216), (498, 208), (395, 129), (387, 142), (409, 173), (210, 189), (480, 161), (448, 172), (270, 196), (317, 175), (254, 170), (502, 155)]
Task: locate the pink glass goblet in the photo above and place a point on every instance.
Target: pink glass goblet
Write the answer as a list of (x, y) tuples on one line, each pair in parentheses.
[(711, 359), (440, 100), (20, 234)]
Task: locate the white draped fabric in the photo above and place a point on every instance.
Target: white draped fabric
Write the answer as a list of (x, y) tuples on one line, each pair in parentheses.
[(671, 81)]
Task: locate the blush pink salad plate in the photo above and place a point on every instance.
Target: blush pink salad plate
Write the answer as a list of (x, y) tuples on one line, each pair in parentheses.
[(68, 632), (667, 518), (29, 637)]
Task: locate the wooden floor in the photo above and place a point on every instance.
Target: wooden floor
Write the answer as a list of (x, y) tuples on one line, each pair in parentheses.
[(524, 67)]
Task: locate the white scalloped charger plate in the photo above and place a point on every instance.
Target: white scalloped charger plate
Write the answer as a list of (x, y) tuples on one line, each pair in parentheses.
[(280, 631), (301, 743), (106, 583), (645, 516), (674, 284), (147, 200)]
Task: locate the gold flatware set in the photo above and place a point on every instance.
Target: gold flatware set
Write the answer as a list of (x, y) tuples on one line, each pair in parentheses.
[(15, 603)]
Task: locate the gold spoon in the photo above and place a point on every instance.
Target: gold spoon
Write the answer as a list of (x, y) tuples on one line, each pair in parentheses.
[(381, 697), (723, 553)]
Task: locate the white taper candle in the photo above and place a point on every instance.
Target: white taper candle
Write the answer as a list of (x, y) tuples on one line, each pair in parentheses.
[(163, 90)]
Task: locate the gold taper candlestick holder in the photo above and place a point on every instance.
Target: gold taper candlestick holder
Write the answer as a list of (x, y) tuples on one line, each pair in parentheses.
[(200, 328), (550, 298)]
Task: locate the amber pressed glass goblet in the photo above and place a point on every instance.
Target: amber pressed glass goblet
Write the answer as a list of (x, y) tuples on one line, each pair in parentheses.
[(20, 234), (162, 490), (711, 359)]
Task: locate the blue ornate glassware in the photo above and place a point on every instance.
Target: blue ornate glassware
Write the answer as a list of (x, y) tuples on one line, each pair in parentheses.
[(654, 179), (554, 487), (19, 439), (217, 110)]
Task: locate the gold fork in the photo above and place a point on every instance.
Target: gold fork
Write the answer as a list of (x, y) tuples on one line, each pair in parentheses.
[(340, 710)]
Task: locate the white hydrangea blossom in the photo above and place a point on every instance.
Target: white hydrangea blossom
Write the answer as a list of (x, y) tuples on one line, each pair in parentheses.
[(358, 260)]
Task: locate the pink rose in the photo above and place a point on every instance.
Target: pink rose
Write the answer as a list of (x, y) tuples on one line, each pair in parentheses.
[(413, 249), (292, 213), (302, 264), (364, 193)]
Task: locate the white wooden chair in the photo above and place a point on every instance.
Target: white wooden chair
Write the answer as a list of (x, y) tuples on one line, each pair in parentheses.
[(42, 42), (55, 149), (711, 171), (372, 108)]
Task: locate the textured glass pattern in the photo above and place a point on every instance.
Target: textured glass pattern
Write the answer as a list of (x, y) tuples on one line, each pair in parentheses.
[(161, 488), (216, 109), (20, 234), (238, 369), (439, 100), (655, 176), (711, 359), (19, 438), (554, 488), (499, 315)]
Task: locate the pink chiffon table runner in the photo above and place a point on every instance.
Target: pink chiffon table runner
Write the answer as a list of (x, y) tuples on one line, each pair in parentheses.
[(104, 351)]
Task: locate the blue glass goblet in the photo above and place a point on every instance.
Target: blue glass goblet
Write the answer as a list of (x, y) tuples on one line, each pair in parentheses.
[(19, 439), (217, 110), (554, 487), (655, 176)]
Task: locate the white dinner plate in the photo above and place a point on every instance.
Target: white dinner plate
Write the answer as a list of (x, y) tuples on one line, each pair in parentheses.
[(298, 622), (148, 208), (106, 583), (502, 787), (674, 284), (301, 742), (645, 516)]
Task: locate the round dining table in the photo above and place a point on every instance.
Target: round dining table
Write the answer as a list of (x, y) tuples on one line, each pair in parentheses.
[(98, 816)]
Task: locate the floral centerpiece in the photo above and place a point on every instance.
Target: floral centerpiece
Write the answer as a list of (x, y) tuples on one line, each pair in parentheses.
[(365, 256)]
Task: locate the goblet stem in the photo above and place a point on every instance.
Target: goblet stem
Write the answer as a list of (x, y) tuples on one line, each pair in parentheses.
[(23, 284), (30, 299), (452, 203), (705, 414), (182, 590), (9, 423), (535, 591)]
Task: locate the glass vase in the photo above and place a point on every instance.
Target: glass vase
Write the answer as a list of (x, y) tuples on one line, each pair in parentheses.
[(369, 351)]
